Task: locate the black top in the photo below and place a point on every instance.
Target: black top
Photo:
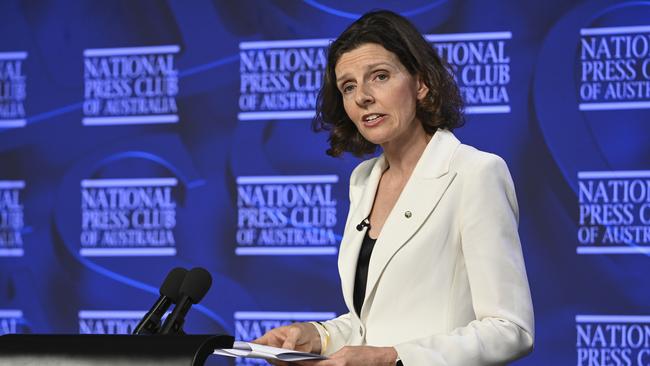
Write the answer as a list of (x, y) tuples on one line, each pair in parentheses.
[(361, 276)]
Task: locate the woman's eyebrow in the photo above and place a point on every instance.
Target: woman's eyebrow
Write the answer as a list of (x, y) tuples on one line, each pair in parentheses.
[(341, 78), (372, 66), (368, 67)]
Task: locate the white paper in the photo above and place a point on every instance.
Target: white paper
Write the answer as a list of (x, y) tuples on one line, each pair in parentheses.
[(252, 350)]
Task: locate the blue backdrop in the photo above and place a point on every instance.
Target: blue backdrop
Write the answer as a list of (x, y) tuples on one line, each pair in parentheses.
[(136, 136)]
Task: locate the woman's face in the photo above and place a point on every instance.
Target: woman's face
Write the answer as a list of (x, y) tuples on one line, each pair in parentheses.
[(379, 94)]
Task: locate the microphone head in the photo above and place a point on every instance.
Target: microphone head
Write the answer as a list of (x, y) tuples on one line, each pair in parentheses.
[(196, 284), (172, 284)]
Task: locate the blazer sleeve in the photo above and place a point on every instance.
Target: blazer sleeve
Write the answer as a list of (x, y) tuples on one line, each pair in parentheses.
[(504, 326), (339, 328), (339, 332)]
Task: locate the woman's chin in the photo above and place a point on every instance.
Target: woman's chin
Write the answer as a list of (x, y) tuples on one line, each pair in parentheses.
[(376, 141), (375, 137)]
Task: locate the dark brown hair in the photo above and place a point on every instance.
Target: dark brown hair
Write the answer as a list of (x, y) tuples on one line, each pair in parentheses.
[(441, 108)]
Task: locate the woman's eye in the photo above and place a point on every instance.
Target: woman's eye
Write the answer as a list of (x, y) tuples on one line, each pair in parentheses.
[(382, 77), (348, 88)]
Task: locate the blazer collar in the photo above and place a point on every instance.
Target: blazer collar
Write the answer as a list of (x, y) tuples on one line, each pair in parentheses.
[(421, 194)]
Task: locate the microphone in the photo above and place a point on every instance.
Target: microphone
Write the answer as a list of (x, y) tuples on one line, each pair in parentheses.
[(364, 223), (194, 287), (150, 323)]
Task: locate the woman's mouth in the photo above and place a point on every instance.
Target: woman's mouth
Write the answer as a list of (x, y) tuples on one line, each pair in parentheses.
[(373, 119)]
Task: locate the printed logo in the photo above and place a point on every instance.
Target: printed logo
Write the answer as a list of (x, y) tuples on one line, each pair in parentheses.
[(614, 68), (250, 325), (11, 218), (280, 79), (13, 89), (12, 322), (481, 64), (136, 85), (286, 215), (128, 217), (612, 340), (614, 212), (108, 322)]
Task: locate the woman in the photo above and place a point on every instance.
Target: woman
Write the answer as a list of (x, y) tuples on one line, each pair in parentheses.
[(430, 261)]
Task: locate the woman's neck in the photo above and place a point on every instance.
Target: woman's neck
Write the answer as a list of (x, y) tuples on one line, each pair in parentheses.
[(403, 153)]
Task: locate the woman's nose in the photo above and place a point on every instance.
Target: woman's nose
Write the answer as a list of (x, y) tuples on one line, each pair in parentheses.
[(364, 97)]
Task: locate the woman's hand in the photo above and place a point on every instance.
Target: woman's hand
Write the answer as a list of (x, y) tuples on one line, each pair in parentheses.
[(303, 337), (359, 356)]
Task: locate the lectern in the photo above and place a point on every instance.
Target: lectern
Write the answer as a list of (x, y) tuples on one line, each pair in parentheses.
[(105, 350)]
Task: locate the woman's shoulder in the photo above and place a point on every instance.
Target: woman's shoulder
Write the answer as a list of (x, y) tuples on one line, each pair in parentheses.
[(470, 160), (362, 171)]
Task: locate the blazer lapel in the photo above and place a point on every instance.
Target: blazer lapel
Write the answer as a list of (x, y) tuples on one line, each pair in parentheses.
[(423, 191), (362, 196)]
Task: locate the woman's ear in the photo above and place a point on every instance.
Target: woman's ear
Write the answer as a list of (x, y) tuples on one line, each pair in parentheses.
[(422, 88)]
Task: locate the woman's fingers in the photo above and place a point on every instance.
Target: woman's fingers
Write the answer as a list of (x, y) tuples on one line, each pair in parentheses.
[(293, 337)]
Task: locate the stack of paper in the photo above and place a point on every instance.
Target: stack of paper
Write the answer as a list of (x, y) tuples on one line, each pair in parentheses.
[(252, 350)]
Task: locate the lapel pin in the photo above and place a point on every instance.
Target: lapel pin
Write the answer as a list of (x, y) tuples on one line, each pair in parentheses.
[(408, 214)]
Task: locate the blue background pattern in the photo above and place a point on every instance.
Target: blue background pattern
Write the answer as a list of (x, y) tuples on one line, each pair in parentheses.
[(545, 140)]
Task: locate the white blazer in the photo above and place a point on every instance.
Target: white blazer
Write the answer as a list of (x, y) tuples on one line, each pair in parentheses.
[(446, 283)]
